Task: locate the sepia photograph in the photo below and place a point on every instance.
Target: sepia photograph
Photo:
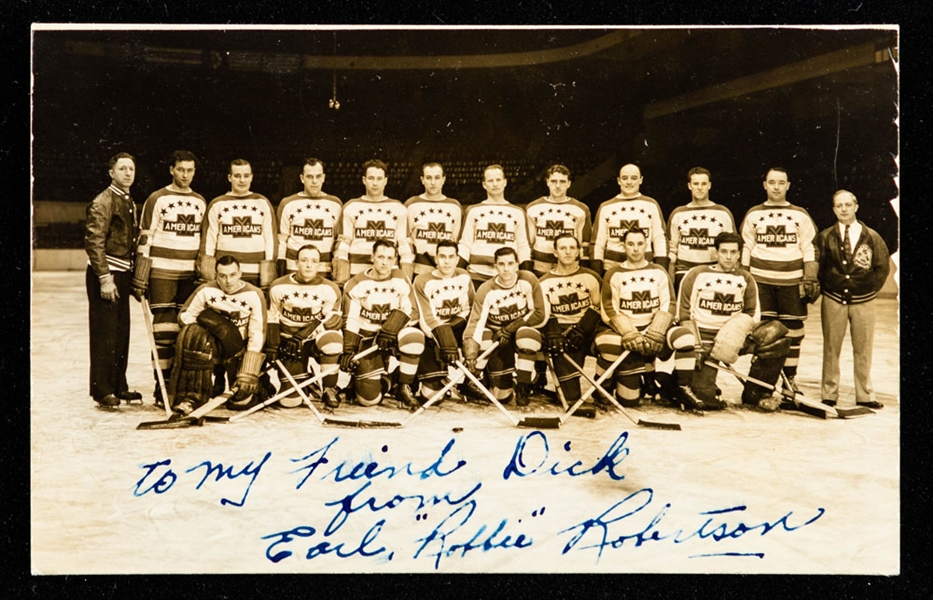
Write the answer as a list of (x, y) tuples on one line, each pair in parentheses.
[(465, 299)]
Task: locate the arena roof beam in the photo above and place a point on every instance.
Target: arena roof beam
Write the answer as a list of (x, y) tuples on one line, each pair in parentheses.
[(474, 61), (811, 68)]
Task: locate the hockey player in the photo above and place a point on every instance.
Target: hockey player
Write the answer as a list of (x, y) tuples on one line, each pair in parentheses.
[(507, 309), (554, 215), (445, 296), (717, 311), (224, 322), (170, 235), (617, 215), (694, 226), (779, 251), (308, 217), (637, 309), (304, 323), (432, 218), (240, 223), (492, 224), (371, 217), (379, 307), (573, 296), (109, 240)]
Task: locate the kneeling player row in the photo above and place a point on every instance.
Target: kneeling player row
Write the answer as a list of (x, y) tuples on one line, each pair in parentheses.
[(628, 322)]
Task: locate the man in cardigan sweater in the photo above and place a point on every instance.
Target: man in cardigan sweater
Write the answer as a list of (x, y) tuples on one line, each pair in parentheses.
[(854, 265)]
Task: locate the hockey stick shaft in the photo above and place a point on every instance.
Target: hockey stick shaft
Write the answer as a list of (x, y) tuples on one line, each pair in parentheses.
[(597, 384), (789, 395), (440, 393), (300, 389), (150, 329)]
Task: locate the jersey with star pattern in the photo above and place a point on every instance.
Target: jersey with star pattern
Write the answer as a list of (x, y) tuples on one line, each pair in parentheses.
[(293, 304), (693, 229), (708, 296), (368, 301), (306, 220), (241, 226), (547, 220), (441, 299), (778, 240), (365, 221), (170, 232), (495, 306), (488, 226), (245, 308), (616, 216), (430, 221), (569, 296), (636, 293)]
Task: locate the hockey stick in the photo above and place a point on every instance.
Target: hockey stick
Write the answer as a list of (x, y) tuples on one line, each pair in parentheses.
[(589, 412), (147, 317), (817, 409), (440, 393), (195, 417), (599, 388), (284, 393), (533, 422), (843, 412), (325, 420)]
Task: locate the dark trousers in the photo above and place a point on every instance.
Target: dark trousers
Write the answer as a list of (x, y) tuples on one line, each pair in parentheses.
[(109, 329)]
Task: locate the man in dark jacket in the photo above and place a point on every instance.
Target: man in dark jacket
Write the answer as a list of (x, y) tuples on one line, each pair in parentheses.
[(854, 265), (110, 240)]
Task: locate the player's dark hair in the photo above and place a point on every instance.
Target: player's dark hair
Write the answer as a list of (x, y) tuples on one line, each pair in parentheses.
[(556, 169), (447, 244), (728, 237), (307, 247), (504, 251), (227, 259), (313, 162), (698, 171), (375, 164), (182, 156), (634, 230), (432, 164), (384, 243), (567, 235), (239, 162), (777, 169), (113, 159)]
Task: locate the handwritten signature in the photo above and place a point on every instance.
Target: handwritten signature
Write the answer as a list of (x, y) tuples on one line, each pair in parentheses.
[(594, 533)]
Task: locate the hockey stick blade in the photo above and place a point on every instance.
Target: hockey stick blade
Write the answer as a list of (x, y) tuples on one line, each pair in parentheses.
[(540, 422)]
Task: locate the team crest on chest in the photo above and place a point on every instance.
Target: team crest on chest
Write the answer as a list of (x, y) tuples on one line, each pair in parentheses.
[(374, 230), (722, 304), (552, 229), (241, 227), (697, 238), (448, 307), (640, 302), (376, 313), (434, 232), (624, 226), (776, 236), (313, 229), (495, 232), (569, 304), (182, 225)]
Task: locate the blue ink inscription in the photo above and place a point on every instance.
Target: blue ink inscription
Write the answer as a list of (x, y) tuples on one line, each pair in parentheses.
[(712, 528), (370, 470), (439, 543), (534, 446), (220, 472), (325, 547), (162, 484)]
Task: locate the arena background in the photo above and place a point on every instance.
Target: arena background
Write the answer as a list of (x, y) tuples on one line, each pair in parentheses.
[(821, 102)]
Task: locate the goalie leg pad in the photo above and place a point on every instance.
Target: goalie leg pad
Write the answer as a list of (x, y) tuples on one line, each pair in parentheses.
[(228, 334), (731, 338), (192, 375)]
